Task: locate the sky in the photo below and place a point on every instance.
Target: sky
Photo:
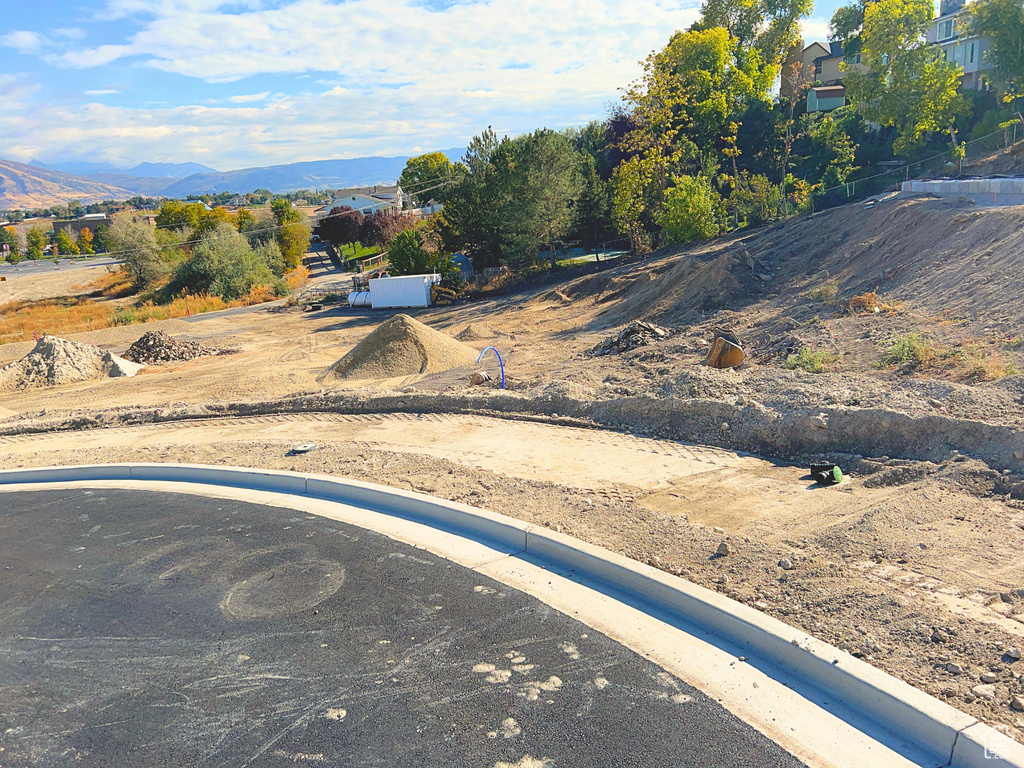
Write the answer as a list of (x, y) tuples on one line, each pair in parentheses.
[(243, 83)]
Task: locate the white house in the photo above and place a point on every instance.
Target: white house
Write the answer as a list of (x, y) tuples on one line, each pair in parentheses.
[(966, 50), (369, 199)]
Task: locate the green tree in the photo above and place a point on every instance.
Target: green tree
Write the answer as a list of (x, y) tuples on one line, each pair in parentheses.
[(409, 254), (9, 237), (636, 195), (35, 242), (293, 235), (691, 210), (593, 211), (907, 83), (1002, 22), (549, 188), (426, 177), (99, 241), (768, 27), (134, 242), (85, 240), (846, 26), (222, 263), (175, 214), (65, 245), (832, 151)]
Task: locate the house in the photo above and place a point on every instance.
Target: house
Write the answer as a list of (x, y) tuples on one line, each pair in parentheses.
[(369, 199), (821, 63), (90, 221), (966, 50)]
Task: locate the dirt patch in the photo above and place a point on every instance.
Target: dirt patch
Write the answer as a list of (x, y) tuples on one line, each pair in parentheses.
[(636, 334), (158, 347), (54, 361), (401, 347), (477, 332)]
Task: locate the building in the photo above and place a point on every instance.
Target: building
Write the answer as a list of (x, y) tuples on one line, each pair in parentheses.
[(966, 50), (369, 199), (91, 221), (821, 63)]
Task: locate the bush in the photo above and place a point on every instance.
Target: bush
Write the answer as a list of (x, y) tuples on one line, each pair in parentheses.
[(909, 348), (824, 292), (223, 264), (810, 361), (690, 211)]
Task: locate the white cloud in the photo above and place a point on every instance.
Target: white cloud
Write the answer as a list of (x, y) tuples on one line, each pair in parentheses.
[(24, 41), (246, 99), (813, 30), (396, 75), (15, 90), (70, 33), (101, 92)]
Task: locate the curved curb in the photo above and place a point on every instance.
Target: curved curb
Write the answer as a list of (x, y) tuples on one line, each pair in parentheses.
[(954, 737)]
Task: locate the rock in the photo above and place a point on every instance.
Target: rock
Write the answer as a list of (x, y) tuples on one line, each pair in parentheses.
[(988, 677), (785, 564), (718, 529), (1019, 454), (954, 669), (1013, 653), (479, 377), (725, 548), (820, 421), (938, 636), (1017, 703), (761, 605), (987, 692), (725, 426)]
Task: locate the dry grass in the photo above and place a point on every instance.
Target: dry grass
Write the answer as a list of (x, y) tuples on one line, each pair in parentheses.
[(870, 302), (823, 292), (113, 285)]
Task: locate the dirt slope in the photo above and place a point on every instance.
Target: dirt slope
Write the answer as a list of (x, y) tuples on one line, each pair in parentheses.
[(26, 186)]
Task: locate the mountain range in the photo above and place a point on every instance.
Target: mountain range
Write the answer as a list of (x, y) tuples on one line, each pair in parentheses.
[(39, 185)]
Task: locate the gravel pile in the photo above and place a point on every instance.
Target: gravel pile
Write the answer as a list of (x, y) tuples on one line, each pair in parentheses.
[(54, 361), (636, 334), (401, 347), (158, 347)]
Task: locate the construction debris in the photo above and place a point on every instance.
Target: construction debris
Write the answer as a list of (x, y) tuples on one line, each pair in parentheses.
[(479, 377), (636, 334), (827, 474), (158, 347), (726, 350), (55, 361)]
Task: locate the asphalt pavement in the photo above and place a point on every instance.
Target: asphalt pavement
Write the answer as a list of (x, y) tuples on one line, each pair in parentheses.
[(159, 629), (27, 268)]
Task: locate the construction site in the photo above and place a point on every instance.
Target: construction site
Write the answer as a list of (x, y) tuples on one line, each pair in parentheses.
[(885, 338)]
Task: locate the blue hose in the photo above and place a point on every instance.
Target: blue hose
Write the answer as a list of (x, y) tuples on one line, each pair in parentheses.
[(501, 364)]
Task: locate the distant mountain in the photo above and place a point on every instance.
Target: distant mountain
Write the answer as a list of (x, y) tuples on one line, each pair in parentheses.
[(30, 186), (40, 186), (76, 168), (317, 174), (168, 170)]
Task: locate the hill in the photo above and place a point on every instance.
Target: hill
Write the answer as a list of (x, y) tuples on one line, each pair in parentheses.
[(29, 186)]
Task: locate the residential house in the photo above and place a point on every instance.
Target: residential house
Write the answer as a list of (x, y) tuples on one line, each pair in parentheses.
[(959, 48), (821, 62), (369, 199)]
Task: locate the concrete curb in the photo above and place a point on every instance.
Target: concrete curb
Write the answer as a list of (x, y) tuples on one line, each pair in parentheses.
[(956, 738)]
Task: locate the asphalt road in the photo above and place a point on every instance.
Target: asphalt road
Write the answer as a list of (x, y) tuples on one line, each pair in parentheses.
[(146, 629), (27, 268)]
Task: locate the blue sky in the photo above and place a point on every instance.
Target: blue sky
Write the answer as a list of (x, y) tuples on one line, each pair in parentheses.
[(239, 83)]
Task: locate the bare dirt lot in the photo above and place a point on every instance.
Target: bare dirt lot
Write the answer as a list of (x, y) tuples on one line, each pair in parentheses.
[(914, 562)]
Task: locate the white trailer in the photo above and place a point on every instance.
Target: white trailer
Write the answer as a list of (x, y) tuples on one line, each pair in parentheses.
[(402, 292)]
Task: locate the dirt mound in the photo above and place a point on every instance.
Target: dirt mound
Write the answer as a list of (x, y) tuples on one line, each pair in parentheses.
[(158, 347), (55, 361), (636, 334), (401, 347), (476, 332)]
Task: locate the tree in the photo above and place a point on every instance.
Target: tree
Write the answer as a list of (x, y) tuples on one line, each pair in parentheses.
[(223, 264), (35, 242), (99, 242), (65, 245), (1002, 22), (426, 177), (471, 220), (409, 254), (832, 152), (85, 240), (134, 241), (9, 237), (175, 214), (342, 225), (768, 27), (846, 26), (798, 78), (381, 226), (593, 212), (293, 233), (907, 83), (690, 211), (636, 195), (549, 187)]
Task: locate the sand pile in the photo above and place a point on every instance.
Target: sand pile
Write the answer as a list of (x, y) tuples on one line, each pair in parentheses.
[(158, 347), (56, 361), (476, 332), (401, 347)]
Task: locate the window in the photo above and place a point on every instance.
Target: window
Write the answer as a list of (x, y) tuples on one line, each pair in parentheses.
[(945, 29), (817, 68), (970, 54)]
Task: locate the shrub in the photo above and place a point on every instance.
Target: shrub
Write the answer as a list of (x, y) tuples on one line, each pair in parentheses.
[(824, 292), (690, 211), (223, 264), (909, 348), (810, 361)]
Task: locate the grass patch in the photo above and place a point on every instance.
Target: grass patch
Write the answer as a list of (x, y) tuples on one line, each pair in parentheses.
[(909, 348), (113, 285), (22, 320), (810, 361), (823, 293), (358, 251), (870, 302)]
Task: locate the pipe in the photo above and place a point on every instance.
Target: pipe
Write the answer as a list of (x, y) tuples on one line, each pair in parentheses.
[(500, 363)]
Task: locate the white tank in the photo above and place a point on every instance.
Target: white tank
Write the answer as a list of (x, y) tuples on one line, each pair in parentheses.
[(359, 299)]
